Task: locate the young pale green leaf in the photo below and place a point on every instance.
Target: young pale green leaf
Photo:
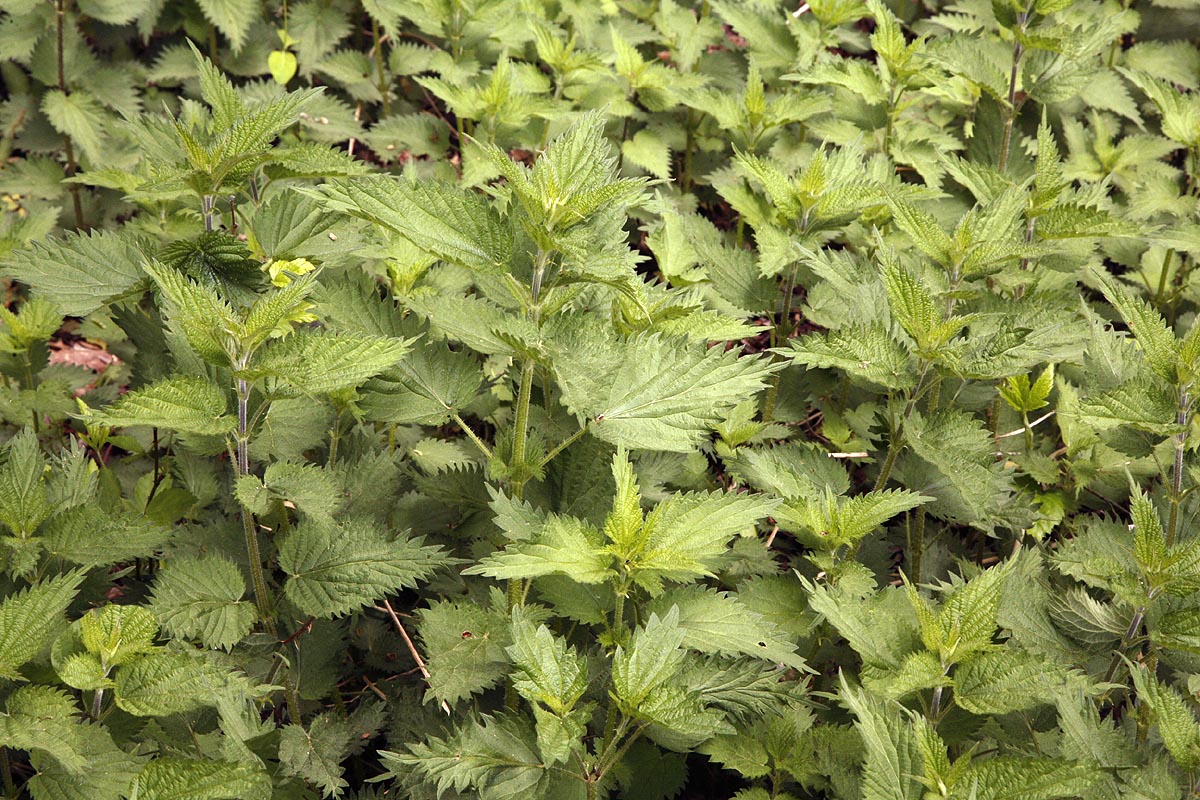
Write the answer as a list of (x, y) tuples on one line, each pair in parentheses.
[(686, 534), (623, 526), (117, 634), (334, 569), (203, 598), (548, 670), (1025, 396), (563, 546), (184, 404)]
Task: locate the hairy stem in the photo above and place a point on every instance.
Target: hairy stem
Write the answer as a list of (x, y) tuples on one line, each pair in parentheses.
[(779, 334), (383, 84), (10, 787), (262, 598), (60, 17), (1131, 632), (1010, 111), (474, 437), (1181, 418)]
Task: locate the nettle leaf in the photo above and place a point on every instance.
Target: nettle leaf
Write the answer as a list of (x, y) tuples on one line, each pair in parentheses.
[(1156, 339), (893, 758), (465, 646), (116, 633), (657, 394), (448, 222), (184, 404), (205, 319), (719, 623), (562, 546), (334, 569), (41, 718), (548, 670), (28, 617), (24, 499), (315, 753), (686, 535), (1177, 724), (160, 683), (1009, 778), (650, 662), (109, 773), (203, 598), (82, 271), (490, 758), (428, 386), (172, 778), (319, 362), (1003, 682), (836, 521), (866, 352)]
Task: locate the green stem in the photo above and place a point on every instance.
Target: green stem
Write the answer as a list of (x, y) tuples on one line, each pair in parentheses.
[(10, 787), (1028, 432), (563, 445), (474, 437), (383, 86), (1135, 625), (262, 598), (30, 383), (888, 462), (1010, 111), (1177, 468), (1160, 295), (521, 429), (779, 333), (60, 14)]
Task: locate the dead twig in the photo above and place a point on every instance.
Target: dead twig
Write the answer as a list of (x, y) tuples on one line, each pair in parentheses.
[(412, 648)]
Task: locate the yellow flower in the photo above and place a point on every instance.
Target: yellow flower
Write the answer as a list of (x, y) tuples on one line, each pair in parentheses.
[(282, 272)]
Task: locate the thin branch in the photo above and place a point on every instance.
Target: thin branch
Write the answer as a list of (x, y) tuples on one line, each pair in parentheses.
[(1042, 418), (412, 648)]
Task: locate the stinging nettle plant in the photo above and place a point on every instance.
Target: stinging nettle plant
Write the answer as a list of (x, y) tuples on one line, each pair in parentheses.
[(507, 398)]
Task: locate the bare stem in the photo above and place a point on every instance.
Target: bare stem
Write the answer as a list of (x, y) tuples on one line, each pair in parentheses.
[(1177, 468), (60, 14), (10, 788), (1135, 625), (262, 598), (1010, 111)]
